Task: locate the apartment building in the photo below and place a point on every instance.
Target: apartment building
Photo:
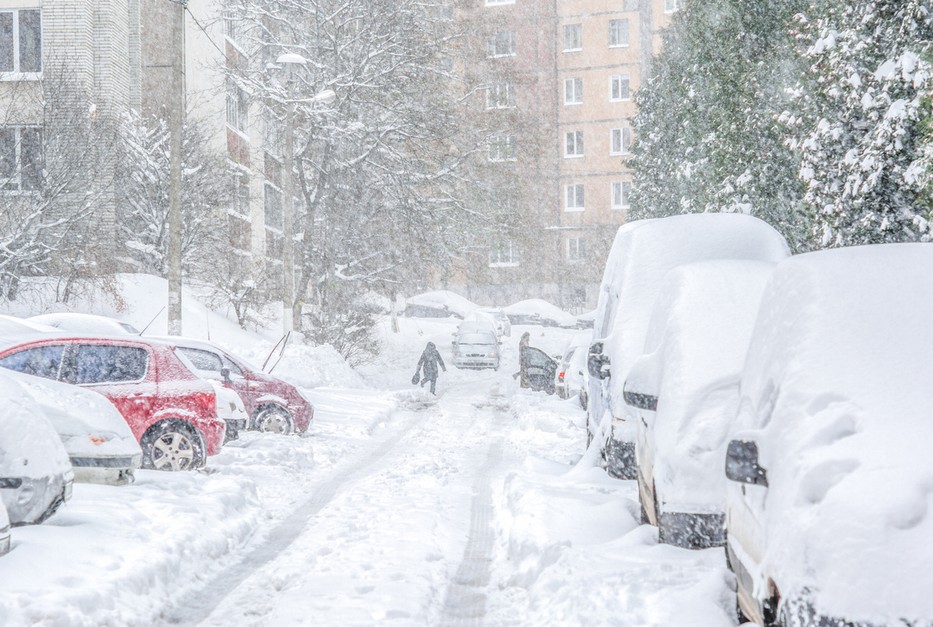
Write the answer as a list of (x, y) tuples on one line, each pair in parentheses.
[(589, 57)]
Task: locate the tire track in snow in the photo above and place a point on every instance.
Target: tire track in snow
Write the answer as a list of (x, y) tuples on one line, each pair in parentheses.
[(466, 597), (197, 605)]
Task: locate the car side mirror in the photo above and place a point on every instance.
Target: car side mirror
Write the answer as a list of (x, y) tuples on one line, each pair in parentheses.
[(225, 374), (742, 463), (597, 363)]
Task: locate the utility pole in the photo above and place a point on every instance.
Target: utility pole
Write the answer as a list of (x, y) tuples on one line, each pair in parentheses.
[(176, 124), (288, 208)]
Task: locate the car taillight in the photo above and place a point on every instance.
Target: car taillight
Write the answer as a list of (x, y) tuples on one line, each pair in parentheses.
[(560, 377)]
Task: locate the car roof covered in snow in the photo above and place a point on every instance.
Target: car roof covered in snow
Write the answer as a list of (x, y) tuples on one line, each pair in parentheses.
[(85, 323), (443, 299), (543, 309), (837, 381)]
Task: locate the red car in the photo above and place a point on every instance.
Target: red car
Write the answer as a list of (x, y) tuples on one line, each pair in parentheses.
[(273, 405), (171, 411)]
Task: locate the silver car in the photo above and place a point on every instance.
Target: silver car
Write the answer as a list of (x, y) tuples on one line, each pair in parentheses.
[(476, 349)]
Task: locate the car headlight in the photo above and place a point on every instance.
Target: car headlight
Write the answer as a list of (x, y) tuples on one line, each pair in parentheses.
[(491, 354)]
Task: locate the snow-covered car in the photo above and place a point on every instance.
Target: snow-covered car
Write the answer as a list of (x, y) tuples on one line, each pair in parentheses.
[(539, 312), (99, 443), (685, 390), (35, 475), (272, 405), (171, 412), (438, 304), (85, 324), (642, 253), (11, 325), (4, 529), (570, 375), (230, 409), (499, 320), (827, 511), (474, 348)]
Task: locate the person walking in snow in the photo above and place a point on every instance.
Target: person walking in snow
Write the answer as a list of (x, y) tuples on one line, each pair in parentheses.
[(430, 360)]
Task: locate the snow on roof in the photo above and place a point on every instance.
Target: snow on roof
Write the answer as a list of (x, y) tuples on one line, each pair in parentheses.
[(542, 308), (85, 323), (838, 379), (698, 337), (444, 299), (642, 254), (11, 325)]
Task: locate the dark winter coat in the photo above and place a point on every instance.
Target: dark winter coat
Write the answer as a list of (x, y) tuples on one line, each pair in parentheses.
[(430, 359)]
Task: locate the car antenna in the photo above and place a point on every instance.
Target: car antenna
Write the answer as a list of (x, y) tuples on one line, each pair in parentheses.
[(153, 320), (274, 348), (207, 317)]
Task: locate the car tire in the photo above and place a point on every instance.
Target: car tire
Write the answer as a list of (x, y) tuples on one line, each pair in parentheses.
[(172, 445), (642, 512), (274, 419)]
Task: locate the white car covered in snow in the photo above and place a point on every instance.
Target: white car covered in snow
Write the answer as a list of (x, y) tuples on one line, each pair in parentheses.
[(438, 304), (685, 390), (35, 475), (642, 253), (99, 443), (4, 529), (828, 514), (85, 324)]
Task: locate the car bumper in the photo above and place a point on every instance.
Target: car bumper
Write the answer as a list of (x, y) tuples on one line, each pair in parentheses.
[(800, 611), (477, 363), (692, 531), (108, 470), (233, 426), (30, 501), (619, 457)]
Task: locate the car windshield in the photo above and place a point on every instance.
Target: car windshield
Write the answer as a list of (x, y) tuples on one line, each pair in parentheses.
[(476, 339)]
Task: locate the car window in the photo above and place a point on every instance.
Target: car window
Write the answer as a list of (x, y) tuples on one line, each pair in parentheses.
[(535, 357), (201, 359), (100, 363), (42, 361)]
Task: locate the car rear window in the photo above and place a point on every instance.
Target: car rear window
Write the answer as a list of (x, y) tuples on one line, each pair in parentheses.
[(100, 363), (42, 361)]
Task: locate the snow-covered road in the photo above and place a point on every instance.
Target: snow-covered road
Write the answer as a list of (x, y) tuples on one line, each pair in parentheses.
[(399, 508)]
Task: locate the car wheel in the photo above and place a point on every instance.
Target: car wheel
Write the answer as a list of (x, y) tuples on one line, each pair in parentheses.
[(274, 419), (172, 445)]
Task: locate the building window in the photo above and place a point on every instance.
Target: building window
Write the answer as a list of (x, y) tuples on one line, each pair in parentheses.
[(273, 137), (620, 139), (21, 41), (573, 144), (20, 158), (573, 37), (502, 44), (620, 87), (272, 204), (618, 33), (573, 90), (504, 256), (502, 148), (237, 107), (573, 195), (671, 6), (576, 249), (621, 190), (500, 96)]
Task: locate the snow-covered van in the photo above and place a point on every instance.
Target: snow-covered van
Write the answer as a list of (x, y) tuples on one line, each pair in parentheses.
[(828, 511), (685, 391), (642, 253)]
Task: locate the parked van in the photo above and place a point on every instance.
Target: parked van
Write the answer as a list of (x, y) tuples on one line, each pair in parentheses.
[(643, 252)]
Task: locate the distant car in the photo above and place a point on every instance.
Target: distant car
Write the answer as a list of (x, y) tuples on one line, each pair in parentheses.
[(438, 304), (476, 348), (570, 374), (685, 390), (35, 475), (171, 412), (85, 324), (4, 528), (535, 311), (499, 319), (828, 510), (273, 405), (643, 252), (99, 443)]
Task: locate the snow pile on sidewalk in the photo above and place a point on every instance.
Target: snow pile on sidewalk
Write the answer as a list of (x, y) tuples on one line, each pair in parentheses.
[(570, 550)]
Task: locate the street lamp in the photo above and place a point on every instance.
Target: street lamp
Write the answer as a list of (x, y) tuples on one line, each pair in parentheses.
[(291, 61)]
